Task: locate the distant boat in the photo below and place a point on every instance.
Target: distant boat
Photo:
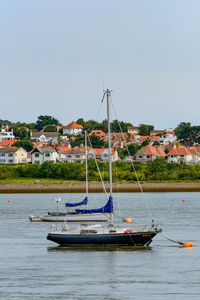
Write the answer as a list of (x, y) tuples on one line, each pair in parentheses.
[(105, 235), (78, 215)]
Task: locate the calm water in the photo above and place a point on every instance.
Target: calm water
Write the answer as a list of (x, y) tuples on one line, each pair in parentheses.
[(33, 268)]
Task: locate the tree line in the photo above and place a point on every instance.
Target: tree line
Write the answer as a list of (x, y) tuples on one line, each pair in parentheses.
[(157, 170)]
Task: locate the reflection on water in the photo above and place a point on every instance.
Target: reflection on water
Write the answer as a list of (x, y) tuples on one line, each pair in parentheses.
[(96, 248), (34, 268)]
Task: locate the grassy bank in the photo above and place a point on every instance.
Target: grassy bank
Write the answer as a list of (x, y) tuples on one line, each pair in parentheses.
[(61, 186)]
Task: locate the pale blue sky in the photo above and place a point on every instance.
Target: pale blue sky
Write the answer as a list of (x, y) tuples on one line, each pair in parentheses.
[(55, 56)]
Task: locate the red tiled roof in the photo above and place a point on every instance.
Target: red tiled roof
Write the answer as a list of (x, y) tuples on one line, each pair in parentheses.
[(152, 150), (98, 151), (39, 144), (64, 149), (7, 143), (141, 138), (181, 150), (155, 138), (73, 125), (97, 133)]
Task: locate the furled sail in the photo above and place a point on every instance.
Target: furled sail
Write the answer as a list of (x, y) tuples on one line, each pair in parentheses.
[(85, 201), (108, 208)]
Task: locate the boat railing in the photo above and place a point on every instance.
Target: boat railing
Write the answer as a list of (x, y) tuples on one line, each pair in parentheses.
[(146, 227)]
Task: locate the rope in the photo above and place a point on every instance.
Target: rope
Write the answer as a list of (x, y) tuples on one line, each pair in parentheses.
[(104, 188), (140, 186)]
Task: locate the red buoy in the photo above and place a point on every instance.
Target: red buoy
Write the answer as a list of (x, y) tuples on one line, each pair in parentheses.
[(9, 200), (183, 200)]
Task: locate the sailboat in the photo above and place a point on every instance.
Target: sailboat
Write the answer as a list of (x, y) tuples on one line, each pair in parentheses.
[(74, 214), (105, 235)]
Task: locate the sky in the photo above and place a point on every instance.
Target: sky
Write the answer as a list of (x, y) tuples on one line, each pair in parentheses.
[(57, 56)]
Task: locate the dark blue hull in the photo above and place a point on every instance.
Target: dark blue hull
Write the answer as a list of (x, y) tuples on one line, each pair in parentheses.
[(118, 239)]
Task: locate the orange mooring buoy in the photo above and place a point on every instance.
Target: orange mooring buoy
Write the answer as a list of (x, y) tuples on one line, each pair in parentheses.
[(183, 201), (128, 220), (9, 200), (187, 245)]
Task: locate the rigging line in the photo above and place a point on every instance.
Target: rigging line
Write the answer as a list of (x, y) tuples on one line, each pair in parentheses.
[(132, 164), (99, 109), (104, 188)]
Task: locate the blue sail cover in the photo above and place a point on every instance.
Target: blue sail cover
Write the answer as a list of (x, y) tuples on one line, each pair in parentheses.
[(108, 208), (85, 201)]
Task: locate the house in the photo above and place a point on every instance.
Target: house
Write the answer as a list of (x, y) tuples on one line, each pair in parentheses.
[(6, 135), (140, 139), (133, 130), (183, 154), (45, 137), (7, 143), (149, 153), (120, 139), (102, 154), (75, 154), (41, 154), (13, 155), (73, 128), (168, 138), (98, 133), (157, 132)]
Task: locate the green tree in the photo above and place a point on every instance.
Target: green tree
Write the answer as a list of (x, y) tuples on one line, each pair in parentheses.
[(21, 131), (25, 144), (157, 165), (96, 141), (194, 135), (5, 122), (144, 143), (103, 126), (50, 128), (183, 131), (145, 129), (81, 122), (132, 149), (90, 125), (156, 143), (117, 126), (78, 141), (45, 120)]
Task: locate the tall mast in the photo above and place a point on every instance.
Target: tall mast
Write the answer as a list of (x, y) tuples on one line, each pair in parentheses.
[(86, 167), (108, 94)]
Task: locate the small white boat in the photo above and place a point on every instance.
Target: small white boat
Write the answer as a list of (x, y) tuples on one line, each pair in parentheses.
[(71, 218)]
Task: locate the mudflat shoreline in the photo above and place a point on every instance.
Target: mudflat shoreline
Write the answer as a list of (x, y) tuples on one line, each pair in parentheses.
[(96, 187)]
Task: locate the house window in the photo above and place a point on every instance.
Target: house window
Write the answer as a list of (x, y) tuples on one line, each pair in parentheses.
[(148, 156), (172, 156), (2, 154), (181, 155), (69, 155), (36, 162), (2, 161), (10, 154), (77, 156), (140, 156), (10, 161), (47, 154), (36, 154)]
